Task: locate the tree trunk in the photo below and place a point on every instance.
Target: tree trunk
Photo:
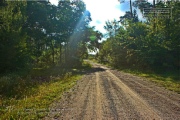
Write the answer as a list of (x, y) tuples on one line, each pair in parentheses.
[(52, 46), (60, 53), (131, 9)]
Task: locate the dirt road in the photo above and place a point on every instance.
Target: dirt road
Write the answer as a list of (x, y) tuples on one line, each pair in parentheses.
[(106, 94)]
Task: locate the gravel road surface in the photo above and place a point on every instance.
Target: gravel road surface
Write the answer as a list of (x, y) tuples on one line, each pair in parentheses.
[(107, 94)]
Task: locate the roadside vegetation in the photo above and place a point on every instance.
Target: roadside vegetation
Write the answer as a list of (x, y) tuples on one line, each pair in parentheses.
[(150, 48), (29, 97), (41, 53), (169, 80)]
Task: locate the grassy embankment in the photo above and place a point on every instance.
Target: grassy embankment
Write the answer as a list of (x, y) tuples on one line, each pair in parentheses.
[(29, 96), (168, 79)]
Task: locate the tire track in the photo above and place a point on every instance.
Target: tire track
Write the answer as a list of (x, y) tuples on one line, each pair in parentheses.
[(166, 105), (98, 98), (89, 107), (68, 103), (109, 98), (143, 84), (128, 110), (142, 107)]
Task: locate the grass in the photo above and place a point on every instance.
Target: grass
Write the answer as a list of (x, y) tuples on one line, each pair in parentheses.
[(36, 106), (36, 91), (170, 80)]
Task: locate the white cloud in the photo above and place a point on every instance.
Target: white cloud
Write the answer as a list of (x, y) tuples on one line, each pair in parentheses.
[(54, 2), (103, 10)]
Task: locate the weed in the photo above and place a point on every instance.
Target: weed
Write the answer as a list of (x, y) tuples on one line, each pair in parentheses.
[(28, 97)]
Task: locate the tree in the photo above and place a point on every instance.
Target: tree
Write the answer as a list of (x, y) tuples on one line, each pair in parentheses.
[(138, 45), (111, 27), (13, 52)]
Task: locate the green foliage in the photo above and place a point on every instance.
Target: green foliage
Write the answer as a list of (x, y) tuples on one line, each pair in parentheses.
[(13, 52), (92, 38), (37, 34), (141, 45), (35, 104), (27, 95)]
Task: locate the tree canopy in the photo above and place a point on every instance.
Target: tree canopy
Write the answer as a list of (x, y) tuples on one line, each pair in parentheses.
[(37, 33), (138, 44)]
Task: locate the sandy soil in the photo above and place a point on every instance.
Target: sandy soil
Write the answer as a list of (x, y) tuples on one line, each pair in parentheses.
[(107, 94)]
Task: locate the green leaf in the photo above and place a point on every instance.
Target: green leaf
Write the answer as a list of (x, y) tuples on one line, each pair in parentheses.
[(92, 38)]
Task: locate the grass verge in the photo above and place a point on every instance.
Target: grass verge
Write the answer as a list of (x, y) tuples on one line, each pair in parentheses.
[(36, 106), (169, 80), (42, 88)]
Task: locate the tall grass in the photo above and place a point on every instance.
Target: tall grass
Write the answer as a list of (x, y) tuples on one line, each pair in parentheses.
[(29, 96)]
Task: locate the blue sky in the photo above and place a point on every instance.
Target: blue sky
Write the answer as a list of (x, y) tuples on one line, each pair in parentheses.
[(103, 10)]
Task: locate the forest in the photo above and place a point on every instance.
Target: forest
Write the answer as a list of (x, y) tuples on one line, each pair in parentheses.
[(39, 33), (152, 44)]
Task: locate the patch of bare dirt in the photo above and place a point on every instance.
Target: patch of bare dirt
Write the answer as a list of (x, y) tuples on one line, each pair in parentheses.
[(105, 94)]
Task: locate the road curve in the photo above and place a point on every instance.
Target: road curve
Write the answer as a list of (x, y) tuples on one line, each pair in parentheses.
[(106, 94)]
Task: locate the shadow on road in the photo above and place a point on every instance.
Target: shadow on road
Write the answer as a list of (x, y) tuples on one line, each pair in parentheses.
[(89, 71)]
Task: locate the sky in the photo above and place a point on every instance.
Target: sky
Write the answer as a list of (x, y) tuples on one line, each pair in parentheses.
[(103, 10)]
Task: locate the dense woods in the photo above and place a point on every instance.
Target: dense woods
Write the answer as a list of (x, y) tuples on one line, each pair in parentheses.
[(41, 34), (153, 44)]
